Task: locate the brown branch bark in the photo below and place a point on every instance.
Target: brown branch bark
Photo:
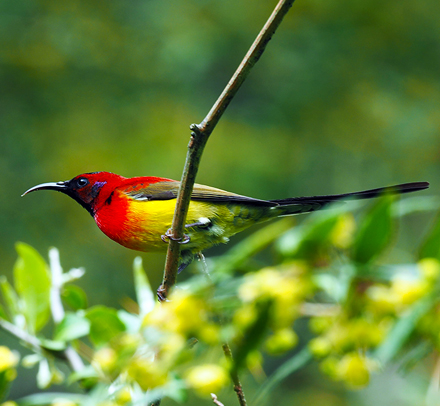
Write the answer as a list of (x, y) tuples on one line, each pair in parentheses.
[(234, 376), (199, 137), (215, 400)]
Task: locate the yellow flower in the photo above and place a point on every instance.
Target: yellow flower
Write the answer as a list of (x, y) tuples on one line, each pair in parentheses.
[(206, 379), (382, 299), (123, 396), (408, 291), (8, 359), (329, 366), (262, 284), (63, 402), (184, 314), (342, 233), (147, 373), (245, 316), (106, 359), (271, 283), (320, 324), (354, 369), (430, 268), (281, 341), (254, 361), (320, 346)]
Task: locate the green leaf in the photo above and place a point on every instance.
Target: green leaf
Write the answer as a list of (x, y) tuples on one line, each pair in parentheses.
[(48, 398), (87, 372), (304, 241), (32, 283), (5, 384), (132, 322), (10, 298), (72, 327), (175, 389), (44, 375), (253, 335), (105, 324), (414, 355), (239, 254), (430, 248), (3, 314), (403, 328), (52, 344), (145, 296), (74, 296), (416, 204), (283, 371), (375, 231)]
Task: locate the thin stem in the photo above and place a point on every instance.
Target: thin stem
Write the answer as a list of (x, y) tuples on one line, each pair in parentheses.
[(56, 306), (228, 354), (199, 137), (234, 376), (434, 385), (215, 400), (69, 354), (28, 340), (250, 59)]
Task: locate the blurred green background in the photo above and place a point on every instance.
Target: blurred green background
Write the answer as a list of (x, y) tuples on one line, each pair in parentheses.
[(345, 98)]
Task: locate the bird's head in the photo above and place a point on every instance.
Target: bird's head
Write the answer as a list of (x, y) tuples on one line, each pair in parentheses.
[(90, 190)]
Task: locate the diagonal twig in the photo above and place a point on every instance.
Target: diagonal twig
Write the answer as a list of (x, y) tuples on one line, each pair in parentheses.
[(234, 376), (199, 137), (215, 400)]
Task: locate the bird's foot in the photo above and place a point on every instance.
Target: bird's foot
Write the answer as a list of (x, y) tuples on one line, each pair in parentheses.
[(169, 236), (161, 294)]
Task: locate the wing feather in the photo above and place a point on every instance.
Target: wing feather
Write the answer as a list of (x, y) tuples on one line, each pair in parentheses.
[(168, 190)]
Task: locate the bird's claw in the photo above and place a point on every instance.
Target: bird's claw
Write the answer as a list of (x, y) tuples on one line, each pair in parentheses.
[(161, 294), (169, 236)]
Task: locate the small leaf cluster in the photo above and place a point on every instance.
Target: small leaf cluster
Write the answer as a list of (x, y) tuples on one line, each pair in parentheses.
[(367, 310)]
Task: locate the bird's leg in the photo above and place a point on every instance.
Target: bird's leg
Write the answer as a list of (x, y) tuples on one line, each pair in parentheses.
[(203, 222), (161, 294), (169, 235)]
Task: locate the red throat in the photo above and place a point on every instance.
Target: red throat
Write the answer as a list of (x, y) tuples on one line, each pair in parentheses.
[(112, 206)]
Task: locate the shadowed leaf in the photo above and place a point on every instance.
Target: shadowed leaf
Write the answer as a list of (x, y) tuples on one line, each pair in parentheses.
[(32, 282)]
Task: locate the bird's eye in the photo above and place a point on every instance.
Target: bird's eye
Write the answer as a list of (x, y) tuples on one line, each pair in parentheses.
[(81, 182)]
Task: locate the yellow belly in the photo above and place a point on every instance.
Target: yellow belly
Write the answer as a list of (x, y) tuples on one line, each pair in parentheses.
[(147, 221)]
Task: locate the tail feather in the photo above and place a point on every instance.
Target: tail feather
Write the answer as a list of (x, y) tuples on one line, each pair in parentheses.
[(312, 203)]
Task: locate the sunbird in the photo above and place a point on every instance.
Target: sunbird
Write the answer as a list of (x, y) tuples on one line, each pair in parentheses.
[(137, 212)]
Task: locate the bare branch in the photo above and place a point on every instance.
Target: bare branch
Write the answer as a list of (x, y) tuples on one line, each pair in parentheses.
[(28, 340), (234, 376), (215, 400), (199, 137)]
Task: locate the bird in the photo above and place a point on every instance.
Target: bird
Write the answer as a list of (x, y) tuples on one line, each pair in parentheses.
[(138, 212)]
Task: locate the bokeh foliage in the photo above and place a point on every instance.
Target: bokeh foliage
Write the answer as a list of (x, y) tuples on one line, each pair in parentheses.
[(346, 97), (329, 298)]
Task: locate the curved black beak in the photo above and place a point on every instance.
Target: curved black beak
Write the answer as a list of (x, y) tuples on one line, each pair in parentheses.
[(58, 186)]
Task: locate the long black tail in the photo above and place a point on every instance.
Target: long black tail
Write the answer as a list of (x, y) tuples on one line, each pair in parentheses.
[(296, 205)]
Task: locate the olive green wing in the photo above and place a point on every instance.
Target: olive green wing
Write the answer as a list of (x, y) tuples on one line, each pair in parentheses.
[(168, 190)]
